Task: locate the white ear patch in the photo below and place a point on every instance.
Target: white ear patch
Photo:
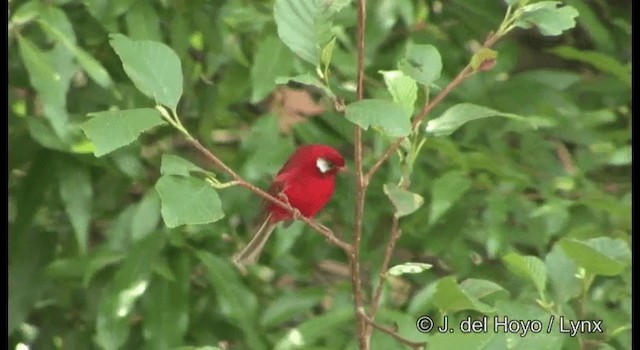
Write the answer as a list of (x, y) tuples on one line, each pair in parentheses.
[(323, 165)]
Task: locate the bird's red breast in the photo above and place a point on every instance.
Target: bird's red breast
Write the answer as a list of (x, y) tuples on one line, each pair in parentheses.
[(307, 180)]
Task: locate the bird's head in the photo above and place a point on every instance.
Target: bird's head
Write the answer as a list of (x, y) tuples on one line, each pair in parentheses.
[(324, 159)]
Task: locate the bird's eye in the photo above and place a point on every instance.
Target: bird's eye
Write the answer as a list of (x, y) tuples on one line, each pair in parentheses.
[(323, 165)]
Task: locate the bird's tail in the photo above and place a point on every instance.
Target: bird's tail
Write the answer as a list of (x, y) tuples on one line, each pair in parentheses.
[(251, 252)]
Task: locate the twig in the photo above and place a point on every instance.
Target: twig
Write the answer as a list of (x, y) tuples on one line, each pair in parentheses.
[(565, 157), (394, 334), (323, 230), (354, 255), (393, 238)]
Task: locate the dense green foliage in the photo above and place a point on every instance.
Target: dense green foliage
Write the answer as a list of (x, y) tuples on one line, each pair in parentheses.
[(516, 189)]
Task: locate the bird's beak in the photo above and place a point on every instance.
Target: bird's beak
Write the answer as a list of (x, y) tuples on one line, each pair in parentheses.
[(344, 170)]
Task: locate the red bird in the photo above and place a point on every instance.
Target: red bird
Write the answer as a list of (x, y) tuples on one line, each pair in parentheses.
[(306, 182)]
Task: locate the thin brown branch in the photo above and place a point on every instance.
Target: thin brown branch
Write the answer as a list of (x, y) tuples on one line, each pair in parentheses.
[(565, 157), (393, 238), (323, 230), (354, 256), (392, 332)]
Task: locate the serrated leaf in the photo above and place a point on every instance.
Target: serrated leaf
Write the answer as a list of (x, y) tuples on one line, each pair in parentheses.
[(445, 191), (458, 115), (386, 115), (408, 267), (403, 89), (153, 67), (528, 267), (77, 194), (271, 60), (598, 60), (188, 201), (404, 201), (550, 19), (599, 256), (174, 165), (304, 26), (421, 62), (111, 130)]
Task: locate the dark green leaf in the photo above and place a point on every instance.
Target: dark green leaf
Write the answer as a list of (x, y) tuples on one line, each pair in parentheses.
[(599, 256), (528, 267), (77, 195), (449, 297), (271, 60), (598, 60), (445, 191)]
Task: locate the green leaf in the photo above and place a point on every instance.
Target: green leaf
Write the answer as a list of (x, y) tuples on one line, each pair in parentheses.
[(289, 306), (77, 194), (445, 191), (449, 297), (143, 22), (153, 67), (307, 79), (120, 296), (479, 288), (404, 201), (402, 88), (94, 69), (146, 216), (550, 19), (562, 274), (421, 62), (599, 256), (304, 26), (188, 201), (174, 165), (458, 115), (166, 306), (598, 60), (271, 60), (528, 267), (392, 118), (111, 130), (30, 253), (408, 267), (326, 55), (314, 328)]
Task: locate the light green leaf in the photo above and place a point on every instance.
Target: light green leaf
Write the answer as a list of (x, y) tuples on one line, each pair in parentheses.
[(408, 267), (165, 327), (402, 88), (120, 296), (188, 201), (111, 130), (326, 55), (479, 288), (314, 328), (153, 67), (445, 191), (598, 60), (174, 165), (77, 194), (421, 62), (621, 156), (307, 79), (458, 115), (483, 59), (143, 22), (304, 26), (387, 115), (528, 267), (599, 256), (404, 201), (550, 19), (146, 216), (272, 59), (562, 274), (449, 297)]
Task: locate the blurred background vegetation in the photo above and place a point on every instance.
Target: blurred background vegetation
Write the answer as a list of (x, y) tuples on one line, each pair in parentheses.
[(92, 265)]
